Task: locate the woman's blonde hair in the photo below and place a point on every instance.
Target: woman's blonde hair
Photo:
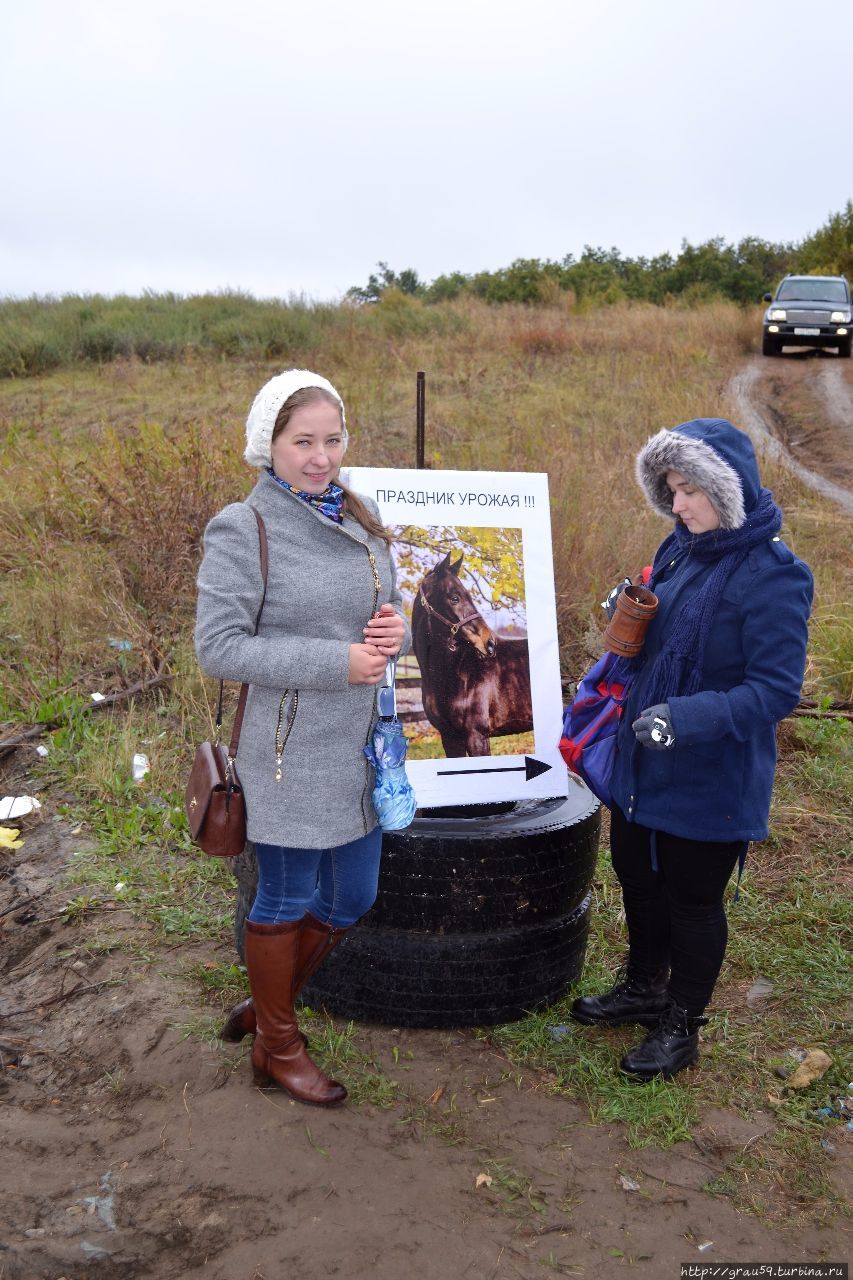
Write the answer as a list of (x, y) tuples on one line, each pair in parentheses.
[(353, 505)]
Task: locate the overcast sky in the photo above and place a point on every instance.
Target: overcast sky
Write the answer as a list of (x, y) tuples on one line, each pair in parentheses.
[(284, 148)]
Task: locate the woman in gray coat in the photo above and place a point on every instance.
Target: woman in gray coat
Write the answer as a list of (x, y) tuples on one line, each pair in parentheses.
[(329, 621)]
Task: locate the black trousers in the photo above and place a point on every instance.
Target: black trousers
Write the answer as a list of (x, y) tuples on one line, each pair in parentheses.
[(675, 914)]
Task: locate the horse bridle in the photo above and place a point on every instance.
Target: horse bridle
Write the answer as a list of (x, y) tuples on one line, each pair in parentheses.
[(448, 622)]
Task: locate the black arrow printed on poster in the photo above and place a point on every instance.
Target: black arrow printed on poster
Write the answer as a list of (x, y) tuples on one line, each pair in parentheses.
[(531, 769), (474, 565)]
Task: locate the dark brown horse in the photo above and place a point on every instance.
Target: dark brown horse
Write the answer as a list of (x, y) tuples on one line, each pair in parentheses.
[(474, 684)]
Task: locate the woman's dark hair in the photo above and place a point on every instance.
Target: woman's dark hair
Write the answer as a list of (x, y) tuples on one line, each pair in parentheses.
[(353, 505)]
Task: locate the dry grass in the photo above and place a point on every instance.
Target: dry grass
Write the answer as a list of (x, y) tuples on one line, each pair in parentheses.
[(111, 472)]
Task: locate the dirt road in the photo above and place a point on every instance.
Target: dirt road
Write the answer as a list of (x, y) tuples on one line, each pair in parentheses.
[(800, 408)]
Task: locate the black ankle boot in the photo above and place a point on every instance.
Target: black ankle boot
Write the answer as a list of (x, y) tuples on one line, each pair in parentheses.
[(633, 998), (671, 1046)]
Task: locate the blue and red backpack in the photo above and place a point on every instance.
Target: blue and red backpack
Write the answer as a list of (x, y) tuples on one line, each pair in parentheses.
[(591, 722)]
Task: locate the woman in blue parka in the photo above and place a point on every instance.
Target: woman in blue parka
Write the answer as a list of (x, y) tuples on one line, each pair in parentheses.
[(696, 752)]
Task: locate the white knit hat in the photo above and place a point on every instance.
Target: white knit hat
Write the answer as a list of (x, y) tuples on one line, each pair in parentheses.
[(265, 407)]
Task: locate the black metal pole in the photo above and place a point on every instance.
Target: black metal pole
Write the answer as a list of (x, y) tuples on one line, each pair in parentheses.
[(420, 418)]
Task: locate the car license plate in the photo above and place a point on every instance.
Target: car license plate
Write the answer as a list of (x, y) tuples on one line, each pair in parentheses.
[(808, 333)]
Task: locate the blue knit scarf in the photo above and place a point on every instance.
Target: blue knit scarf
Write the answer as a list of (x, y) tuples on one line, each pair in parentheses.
[(330, 502), (677, 669)]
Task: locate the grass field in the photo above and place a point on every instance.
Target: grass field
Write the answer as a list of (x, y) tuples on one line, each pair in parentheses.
[(110, 471)]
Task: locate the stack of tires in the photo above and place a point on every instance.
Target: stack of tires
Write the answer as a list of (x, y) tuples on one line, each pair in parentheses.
[(482, 916)]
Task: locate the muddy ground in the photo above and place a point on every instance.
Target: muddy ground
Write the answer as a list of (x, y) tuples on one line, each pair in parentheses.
[(131, 1149)]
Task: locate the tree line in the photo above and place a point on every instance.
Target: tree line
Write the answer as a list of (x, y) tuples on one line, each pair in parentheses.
[(740, 272)]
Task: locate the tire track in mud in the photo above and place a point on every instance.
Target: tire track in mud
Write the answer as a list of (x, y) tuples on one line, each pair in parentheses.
[(837, 398), (751, 405)]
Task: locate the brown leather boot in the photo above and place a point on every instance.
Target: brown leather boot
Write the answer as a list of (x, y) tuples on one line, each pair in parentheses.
[(279, 1059), (240, 1022), (316, 941)]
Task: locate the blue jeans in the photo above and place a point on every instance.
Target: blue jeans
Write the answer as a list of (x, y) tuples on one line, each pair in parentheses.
[(336, 885)]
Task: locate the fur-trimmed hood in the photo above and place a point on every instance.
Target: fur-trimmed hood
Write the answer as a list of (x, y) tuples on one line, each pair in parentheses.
[(717, 457)]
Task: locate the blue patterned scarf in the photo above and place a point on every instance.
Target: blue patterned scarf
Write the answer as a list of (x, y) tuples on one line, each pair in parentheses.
[(330, 501), (677, 669)]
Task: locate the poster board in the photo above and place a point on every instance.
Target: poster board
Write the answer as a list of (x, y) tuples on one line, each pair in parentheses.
[(480, 696)]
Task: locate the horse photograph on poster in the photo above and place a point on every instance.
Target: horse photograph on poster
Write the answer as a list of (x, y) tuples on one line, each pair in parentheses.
[(466, 689)]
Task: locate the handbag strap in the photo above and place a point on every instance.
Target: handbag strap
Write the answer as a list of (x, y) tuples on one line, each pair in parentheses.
[(244, 689)]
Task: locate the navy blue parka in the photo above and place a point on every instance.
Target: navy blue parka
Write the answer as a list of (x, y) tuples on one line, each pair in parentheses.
[(715, 783)]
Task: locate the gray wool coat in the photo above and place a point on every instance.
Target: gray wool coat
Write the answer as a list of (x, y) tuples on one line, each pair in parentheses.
[(300, 760)]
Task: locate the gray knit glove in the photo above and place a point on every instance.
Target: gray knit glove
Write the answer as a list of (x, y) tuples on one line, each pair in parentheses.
[(653, 727), (608, 604)]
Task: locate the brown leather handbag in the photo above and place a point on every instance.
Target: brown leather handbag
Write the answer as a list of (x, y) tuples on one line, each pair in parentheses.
[(214, 801)]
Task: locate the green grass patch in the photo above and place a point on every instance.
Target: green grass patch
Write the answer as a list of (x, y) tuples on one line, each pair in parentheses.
[(584, 1065), (226, 982), (514, 1191), (137, 849), (335, 1048)]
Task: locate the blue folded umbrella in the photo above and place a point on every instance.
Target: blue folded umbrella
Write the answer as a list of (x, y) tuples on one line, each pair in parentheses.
[(393, 797)]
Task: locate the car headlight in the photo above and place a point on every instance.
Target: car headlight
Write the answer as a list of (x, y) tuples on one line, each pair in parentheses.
[(777, 314), (839, 317)]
